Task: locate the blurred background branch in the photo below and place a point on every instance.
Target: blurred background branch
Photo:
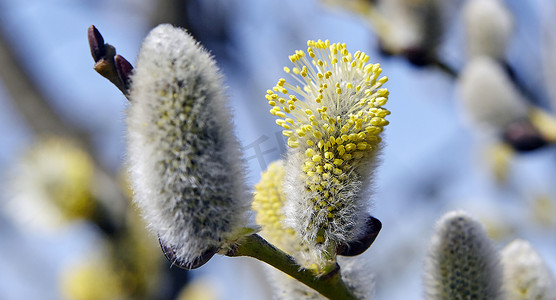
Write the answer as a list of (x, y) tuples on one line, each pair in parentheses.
[(34, 106), (27, 98)]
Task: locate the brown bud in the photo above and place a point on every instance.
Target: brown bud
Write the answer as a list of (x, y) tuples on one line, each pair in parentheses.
[(523, 136), (417, 56), (365, 241), (170, 253), (124, 69), (96, 43)]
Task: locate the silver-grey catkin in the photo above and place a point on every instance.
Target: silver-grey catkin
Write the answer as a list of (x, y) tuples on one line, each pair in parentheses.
[(186, 168), (488, 98), (462, 262)]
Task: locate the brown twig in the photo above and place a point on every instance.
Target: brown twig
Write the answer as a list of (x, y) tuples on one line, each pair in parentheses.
[(111, 66), (34, 106)]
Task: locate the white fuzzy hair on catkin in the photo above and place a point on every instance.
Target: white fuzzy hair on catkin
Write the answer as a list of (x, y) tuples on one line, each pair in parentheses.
[(488, 97), (488, 27), (353, 195), (526, 275), (462, 262), (358, 276), (185, 165)]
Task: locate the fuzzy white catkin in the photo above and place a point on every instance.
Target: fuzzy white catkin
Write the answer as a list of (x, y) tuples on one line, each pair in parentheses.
[(185, 164), (488, 27), (526, 275), (413, 24), (357, 274), (462, 262), (548, 50), (488, 97)]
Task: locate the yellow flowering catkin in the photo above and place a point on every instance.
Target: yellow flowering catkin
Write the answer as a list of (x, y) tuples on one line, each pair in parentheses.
[(92, 279), (267, 203), (332, 115)]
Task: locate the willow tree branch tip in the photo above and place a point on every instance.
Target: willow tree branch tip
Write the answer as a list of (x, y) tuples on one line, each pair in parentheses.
[(96, 43), (329, 284), (113, 67)]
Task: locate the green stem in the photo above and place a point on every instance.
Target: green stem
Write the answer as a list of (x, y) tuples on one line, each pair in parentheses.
[(445, 68), (329, 285)]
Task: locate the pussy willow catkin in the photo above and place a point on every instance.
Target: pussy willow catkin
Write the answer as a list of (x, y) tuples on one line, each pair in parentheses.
[(185, 163), (332, 115)]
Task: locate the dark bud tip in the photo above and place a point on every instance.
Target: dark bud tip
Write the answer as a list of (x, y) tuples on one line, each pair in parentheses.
[(382, 50), (170, 253), (96, 43), (418, 57), (124, 69), (523, 136), (354, 248)]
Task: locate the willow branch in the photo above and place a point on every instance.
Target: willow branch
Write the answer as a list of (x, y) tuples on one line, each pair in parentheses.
[(329, 285), (445, 68), (175, 12), (27, 98), (34, 106)]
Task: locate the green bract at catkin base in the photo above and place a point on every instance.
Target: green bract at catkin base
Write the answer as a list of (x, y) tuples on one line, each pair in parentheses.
[(186, 167), (334, 135)]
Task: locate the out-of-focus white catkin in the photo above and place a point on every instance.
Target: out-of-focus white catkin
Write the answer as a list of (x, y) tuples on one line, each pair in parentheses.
[(186, 168), (462, 262), (413, 25), (52, 184), (488, 27), (488, 97), (526, 275)]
